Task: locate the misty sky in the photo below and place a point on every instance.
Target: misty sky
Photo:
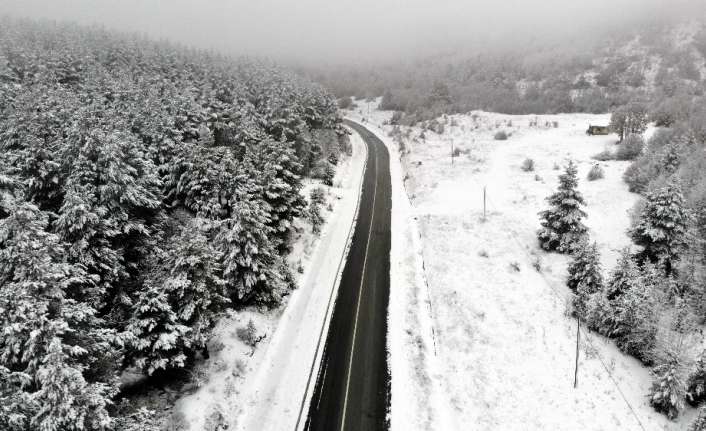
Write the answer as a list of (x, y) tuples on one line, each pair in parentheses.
[(330, 31)]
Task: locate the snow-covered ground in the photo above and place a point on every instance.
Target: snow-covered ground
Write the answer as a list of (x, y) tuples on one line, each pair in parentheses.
[(262, 388), (474, 342)]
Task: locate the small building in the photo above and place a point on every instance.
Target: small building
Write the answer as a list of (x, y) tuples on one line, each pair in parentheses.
[(598, 130)]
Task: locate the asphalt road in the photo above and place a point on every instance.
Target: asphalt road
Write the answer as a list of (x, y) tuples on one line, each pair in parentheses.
[(352, 389)]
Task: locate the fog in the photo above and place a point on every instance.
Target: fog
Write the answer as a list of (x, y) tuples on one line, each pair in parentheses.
[(340, 31)]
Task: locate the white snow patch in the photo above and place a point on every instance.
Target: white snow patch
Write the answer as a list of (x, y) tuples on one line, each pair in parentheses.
[(506, 347)]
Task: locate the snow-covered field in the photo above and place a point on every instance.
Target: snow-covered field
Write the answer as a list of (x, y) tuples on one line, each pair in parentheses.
[(480, 339), (262, 388)]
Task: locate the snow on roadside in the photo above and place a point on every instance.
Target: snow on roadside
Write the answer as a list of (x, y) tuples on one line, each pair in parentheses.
[(262, 388), (505, 345)]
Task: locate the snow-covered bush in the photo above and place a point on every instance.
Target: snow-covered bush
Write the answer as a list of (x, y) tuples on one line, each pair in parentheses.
[(596, 173), (315, 217), (248, 334), (603, 156), (528, 165), (317, 196), (630, 148), (501, 136), (562, 229)]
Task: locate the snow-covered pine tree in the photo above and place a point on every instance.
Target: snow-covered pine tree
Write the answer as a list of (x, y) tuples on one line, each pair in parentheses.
[(192, 279), (159, 339), (248, 252), (275, 167), (17, 406), (585, 277), (624, 276), (32, 278), (667, 392), (112, 193), (602, 313), (699, 423), (562, 229), (637, 312), (35, 314), (696, 383), (661, 229), (66, 401)]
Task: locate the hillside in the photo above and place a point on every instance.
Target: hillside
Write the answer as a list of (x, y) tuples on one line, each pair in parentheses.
[(145, 189), (658, 63)]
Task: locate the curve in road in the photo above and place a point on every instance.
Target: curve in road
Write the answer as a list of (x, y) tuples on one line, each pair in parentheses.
[(352, 389)]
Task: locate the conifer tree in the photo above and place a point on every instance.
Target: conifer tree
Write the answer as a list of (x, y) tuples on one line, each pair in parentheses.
[(159, 338), (661, 230), (667, 392), (696, 383), (192, 279), (699, 423), (562, 229), (248, 253), (637, 312), (276, 169), (585, 277), (623, 277), (66, 400)]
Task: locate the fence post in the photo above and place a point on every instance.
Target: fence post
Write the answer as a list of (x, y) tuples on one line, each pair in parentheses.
[(576, 368)]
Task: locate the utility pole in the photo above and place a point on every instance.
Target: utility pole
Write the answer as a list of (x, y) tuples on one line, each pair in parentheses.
[(484, 203), (452, 151), (576, 368)]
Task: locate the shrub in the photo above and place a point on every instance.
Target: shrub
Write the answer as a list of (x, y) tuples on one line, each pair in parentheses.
[(596, 173), (317, 196), (528, 165), (501, 136), (396, 118), (248, 334), (329, 174), (630, 148), (603, 156), (315, 217), (345, 103)]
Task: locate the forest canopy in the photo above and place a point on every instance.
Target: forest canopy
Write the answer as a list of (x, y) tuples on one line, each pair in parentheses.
[(144, 187)]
